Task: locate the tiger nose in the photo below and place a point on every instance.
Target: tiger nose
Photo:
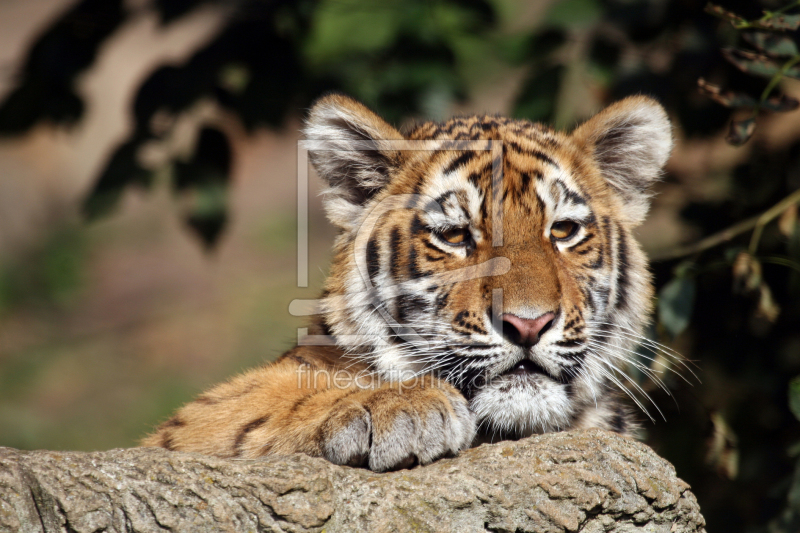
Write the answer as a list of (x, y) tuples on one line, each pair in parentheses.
[(525, 331)]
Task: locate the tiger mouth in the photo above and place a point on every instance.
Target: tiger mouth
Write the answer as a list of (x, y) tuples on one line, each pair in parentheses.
[(526, 368)]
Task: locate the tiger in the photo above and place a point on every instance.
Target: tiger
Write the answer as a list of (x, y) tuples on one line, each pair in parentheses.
[(484, 284)]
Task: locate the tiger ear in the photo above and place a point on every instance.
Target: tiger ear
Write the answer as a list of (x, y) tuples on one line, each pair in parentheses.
[(350, 149), (630, 141)]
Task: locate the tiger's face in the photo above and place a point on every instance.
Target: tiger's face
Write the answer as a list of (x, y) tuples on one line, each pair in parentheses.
[(495, 253)]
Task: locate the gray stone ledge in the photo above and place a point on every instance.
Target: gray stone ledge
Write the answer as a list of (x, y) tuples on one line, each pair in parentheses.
[(589, 481)]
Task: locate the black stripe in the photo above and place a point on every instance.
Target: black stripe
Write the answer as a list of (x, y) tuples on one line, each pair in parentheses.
[(174, 422), (475, 178), (532, 152), (570, 194), (600, 261), (247, 428), (588, 297), (576, 357), (568, 343), (205, 400), (443, 198), (373, 258), (166, 442), (622, 269), (414, 271), (582, 241), (298, 359), (407, 304), (459, 161), (394, 258), (417, 226), (617, 422), (430, 245), (540, 203), (526, 182), (441, 300)]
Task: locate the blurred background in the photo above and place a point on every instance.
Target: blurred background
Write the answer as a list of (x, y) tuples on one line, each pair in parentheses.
[(148, 199)]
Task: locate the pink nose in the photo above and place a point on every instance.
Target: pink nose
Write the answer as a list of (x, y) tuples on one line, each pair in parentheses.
[(525, 331)]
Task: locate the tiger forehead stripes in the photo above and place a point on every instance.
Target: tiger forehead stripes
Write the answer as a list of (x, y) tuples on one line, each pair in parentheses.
[(498, 263)]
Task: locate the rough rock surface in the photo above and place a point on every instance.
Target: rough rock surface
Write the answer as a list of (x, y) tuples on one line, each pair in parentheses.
[(588, 481)]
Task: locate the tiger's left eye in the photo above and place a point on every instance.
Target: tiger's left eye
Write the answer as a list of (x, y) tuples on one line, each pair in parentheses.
[(563, 229), (456, 236)]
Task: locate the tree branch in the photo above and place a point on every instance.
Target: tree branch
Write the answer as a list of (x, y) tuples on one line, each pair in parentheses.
[(757, 222)]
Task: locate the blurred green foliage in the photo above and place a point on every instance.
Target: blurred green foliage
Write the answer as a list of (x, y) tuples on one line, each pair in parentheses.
[(731, 303), (48, 275)]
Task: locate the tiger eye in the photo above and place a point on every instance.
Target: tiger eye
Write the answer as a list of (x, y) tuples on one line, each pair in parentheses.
[(563, 229), (456, 236)]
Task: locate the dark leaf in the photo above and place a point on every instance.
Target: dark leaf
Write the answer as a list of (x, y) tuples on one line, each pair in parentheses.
[(779, 22), (794, 397), (758, 64), (171, 10), (752, 63), (207, 227), (726, 98), (780, 103), (206, 213), (203, 185), (35, 101), (675, 302), (121, 171), (724, 14), (45, 88), (740, 131), (772, 44), (171, 89), (210, 163)]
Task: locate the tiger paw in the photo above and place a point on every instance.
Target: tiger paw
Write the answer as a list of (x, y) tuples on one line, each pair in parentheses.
[(396, 427)]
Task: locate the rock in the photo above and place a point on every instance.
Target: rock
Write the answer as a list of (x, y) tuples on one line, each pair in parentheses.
[(589, 481)]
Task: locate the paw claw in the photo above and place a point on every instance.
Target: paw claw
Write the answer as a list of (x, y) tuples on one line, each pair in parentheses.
[(392, 429)]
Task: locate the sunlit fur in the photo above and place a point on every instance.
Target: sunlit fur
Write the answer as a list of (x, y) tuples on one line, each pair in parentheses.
[(400, 301)]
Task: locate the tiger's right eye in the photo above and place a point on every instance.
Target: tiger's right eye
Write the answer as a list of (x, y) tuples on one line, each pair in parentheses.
[(563, 229), (456, 236)]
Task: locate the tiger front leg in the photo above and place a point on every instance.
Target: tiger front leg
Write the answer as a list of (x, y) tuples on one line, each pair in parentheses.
[(397, 425), (284, 408)]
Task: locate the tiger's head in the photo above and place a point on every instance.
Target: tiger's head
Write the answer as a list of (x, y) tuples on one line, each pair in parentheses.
[(496, 253)]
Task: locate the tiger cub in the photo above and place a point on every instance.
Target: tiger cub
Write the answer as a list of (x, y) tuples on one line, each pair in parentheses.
[(485, 284)]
